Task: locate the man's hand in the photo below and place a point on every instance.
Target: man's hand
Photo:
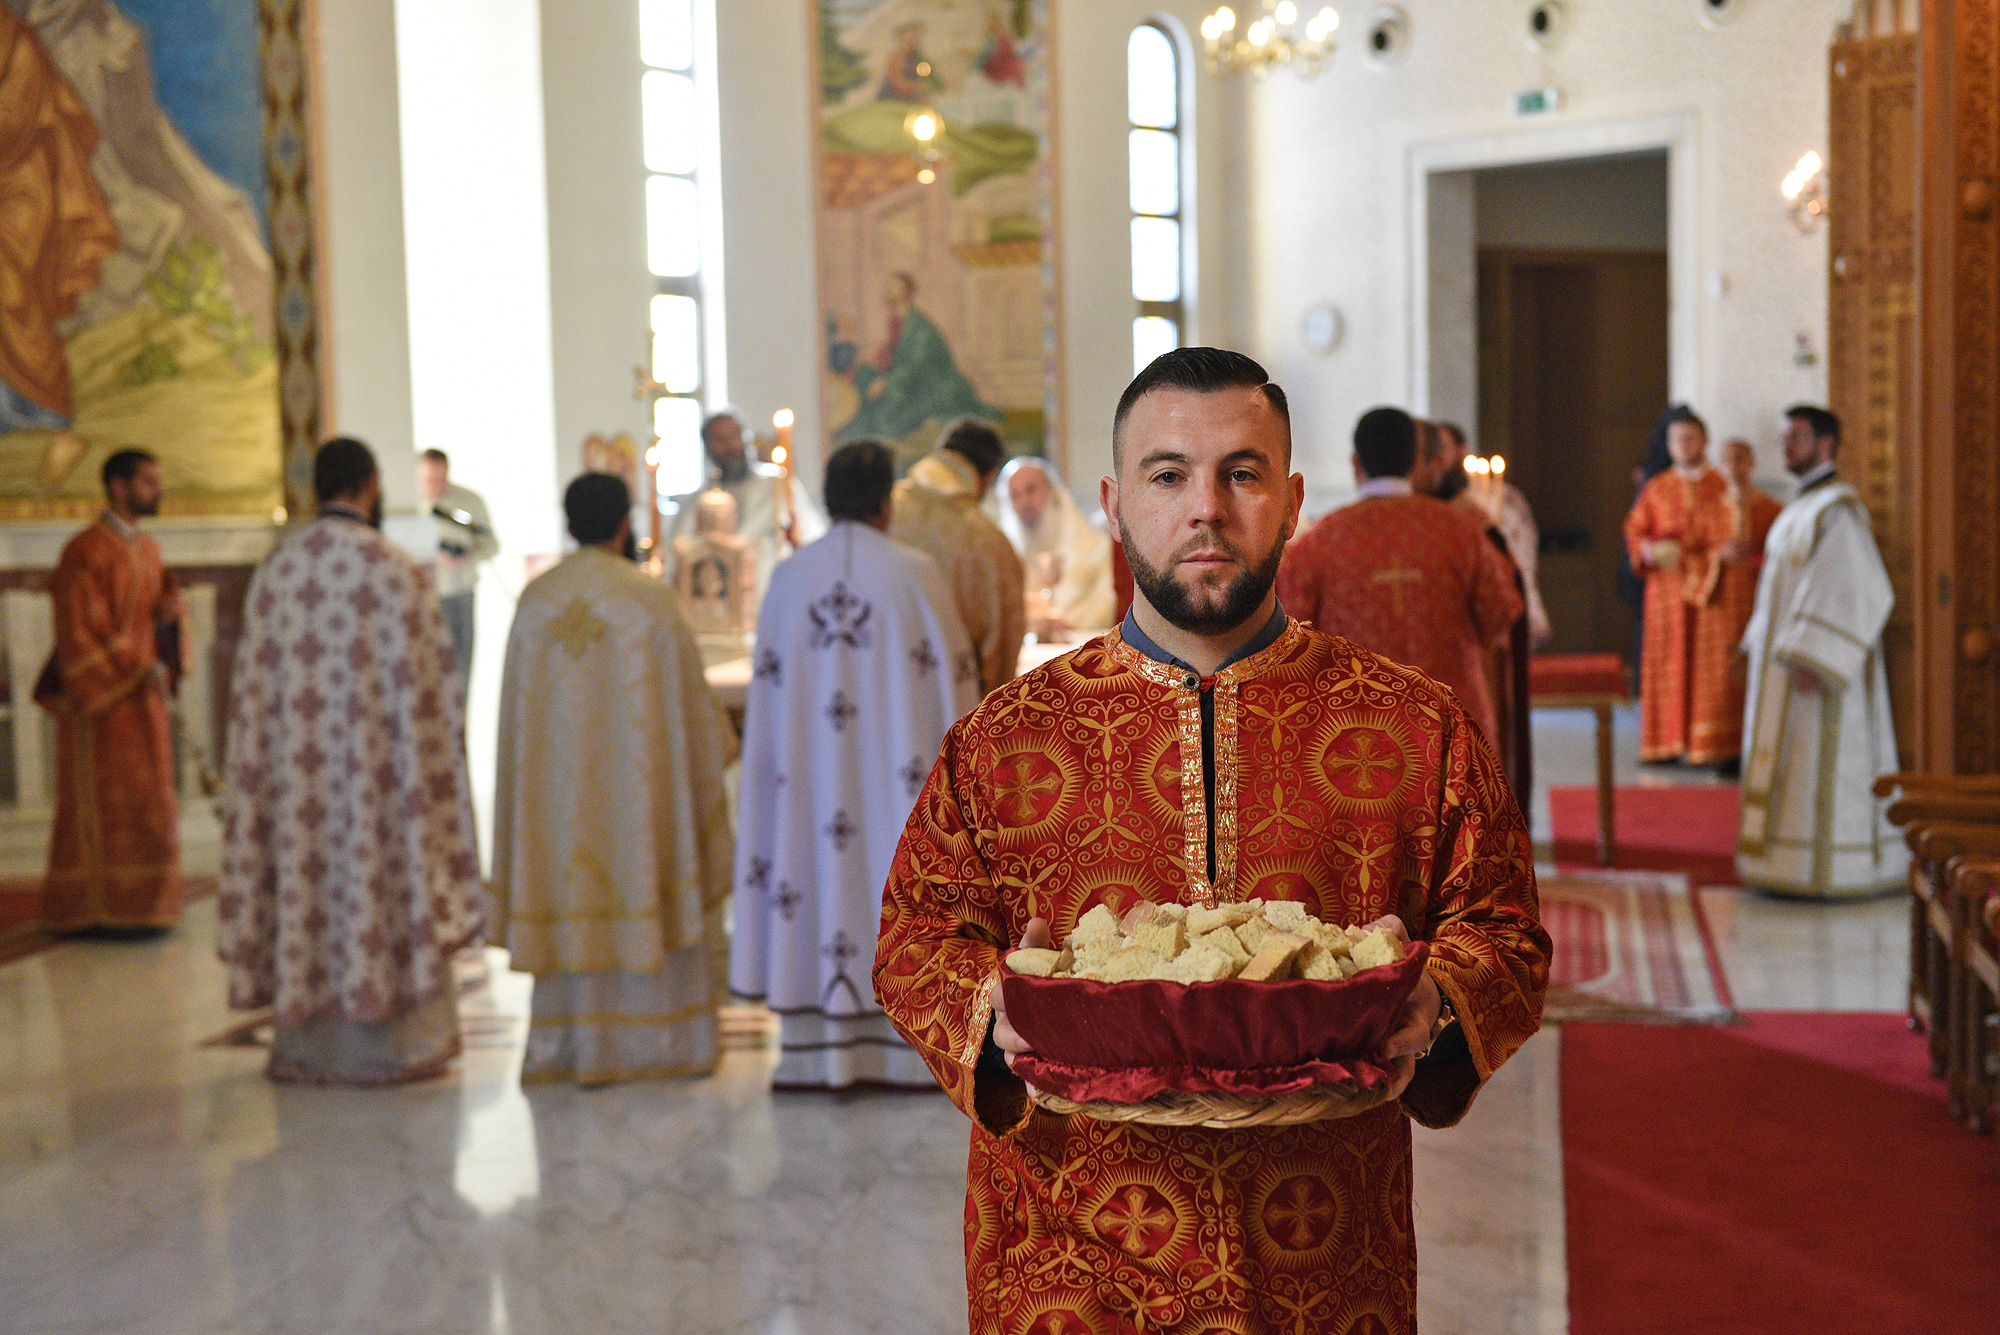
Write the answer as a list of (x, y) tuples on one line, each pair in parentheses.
[(1413, 1034), (1034, 937), (1730, 552), (172, 606)]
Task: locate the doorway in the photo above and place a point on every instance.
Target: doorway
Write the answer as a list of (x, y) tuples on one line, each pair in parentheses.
[(1572, 361)]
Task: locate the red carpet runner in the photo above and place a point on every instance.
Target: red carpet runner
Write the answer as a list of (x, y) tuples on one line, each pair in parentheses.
[(1795, 1174), (1686, 827)]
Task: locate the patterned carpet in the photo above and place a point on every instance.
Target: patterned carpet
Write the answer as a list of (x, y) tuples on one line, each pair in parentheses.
[(1630, 946)]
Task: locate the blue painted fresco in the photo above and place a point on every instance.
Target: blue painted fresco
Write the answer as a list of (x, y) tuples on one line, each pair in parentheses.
[(208, 79)]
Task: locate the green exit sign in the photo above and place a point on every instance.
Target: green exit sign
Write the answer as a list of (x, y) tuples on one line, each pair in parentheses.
[(1537, 101)]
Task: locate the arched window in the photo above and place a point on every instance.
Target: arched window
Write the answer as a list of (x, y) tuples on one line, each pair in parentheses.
[(1159, 233), (672, 123)]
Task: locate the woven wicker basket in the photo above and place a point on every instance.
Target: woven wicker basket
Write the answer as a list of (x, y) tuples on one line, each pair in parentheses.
[(1321, 1103)]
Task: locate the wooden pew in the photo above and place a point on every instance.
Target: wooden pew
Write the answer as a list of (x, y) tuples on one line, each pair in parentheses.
[(1976, 891)]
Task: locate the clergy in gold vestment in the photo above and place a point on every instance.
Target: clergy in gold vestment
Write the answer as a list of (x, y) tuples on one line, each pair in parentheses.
[(937, 511), (114, 855), (611, 841), (1210, 749), (1405, 575)]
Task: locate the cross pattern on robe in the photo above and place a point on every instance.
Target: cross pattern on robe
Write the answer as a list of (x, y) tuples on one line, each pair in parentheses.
[(1020, 787), (841, 711), (1305, 1207), (913, 774), (787, 900), (840, 616), (840, 950), (577, 628), (924, 657), (1396, 575), (771, 666), (840, 829), (1129, 1221)]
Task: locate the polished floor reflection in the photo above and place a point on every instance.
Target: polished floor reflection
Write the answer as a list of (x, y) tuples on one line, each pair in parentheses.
[(152, 1181)]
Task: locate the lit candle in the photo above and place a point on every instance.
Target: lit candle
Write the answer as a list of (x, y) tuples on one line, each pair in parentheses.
[(781, 455), (1499, 483), (653, 503)]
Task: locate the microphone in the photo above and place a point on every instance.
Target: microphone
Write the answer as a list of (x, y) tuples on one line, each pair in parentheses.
[(462, 518)]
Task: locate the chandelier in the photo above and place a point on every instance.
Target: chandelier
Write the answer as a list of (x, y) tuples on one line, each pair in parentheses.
[(1274, 40), (1805, 192)]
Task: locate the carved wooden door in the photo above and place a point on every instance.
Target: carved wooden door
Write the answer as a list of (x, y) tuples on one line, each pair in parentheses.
[(1956, 544), (1872, 315)]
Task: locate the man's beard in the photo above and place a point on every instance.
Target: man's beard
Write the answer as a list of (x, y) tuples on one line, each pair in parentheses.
[(145, 509), (1172, 600), (1452, 483), (375, 514), (732, 471)]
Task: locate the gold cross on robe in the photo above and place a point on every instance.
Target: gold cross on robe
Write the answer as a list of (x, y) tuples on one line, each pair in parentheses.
[(1396, 575)]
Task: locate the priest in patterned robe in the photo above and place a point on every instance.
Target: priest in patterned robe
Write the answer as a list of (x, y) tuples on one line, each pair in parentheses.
[(1209, 749), (1405, 575), (1736, 534), (114, 853), (1816, 723), (860, 667), (1687, 708), (611, 840), (349, 873), (1051, 536)]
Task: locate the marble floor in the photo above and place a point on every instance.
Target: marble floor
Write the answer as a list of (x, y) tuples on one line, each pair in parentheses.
[(152, 1181)]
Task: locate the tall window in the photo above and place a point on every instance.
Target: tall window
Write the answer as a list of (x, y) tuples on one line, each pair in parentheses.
[(1153, 105), (673, 235)]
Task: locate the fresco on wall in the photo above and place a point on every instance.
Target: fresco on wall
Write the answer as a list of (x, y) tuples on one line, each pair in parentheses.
[(135, 271), (935, 280)]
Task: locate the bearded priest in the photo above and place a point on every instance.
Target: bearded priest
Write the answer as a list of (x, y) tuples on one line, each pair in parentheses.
[(1209, 749)]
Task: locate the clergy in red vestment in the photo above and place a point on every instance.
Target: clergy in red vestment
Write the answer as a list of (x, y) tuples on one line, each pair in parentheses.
[(1687, 707), (1405, 575), (1209, 749), (114, 855), (1729, 593)]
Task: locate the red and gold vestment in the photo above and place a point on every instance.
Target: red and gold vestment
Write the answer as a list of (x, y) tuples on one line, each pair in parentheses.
[(1341, 780), (1688, 704), (1411, 578), (114, 854)]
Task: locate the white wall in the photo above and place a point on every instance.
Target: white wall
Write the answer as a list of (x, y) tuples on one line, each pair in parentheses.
[(1617, 203), (1332, 199)]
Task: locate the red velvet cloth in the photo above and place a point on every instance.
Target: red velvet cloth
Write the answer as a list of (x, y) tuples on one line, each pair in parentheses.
[(1577, 674), (1125, 1042)]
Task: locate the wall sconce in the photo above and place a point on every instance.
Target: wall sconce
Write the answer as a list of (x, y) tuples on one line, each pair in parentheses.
[(1805, 192)]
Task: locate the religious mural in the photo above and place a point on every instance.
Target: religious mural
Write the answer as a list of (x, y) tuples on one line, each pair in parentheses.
[(936, 279), (136, 282)]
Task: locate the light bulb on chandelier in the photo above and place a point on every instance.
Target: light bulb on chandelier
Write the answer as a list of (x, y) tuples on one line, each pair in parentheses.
[(1273, 40), (1805, 192)]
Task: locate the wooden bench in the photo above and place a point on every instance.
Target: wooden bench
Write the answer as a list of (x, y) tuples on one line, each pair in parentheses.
[(1596, 682)]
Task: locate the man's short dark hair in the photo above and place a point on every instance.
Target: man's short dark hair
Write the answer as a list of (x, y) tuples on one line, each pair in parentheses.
[(859, 478), (595, 504), (124, 466), (977, 441), (1385, 441), (1683, 413), (341, 468), (1822, 422), (708, 423), (436, 457), (1199, 371)]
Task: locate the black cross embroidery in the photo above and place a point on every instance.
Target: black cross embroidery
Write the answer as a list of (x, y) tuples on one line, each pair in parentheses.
[(840, 829), (771, 666), (840, 616), (759, 878), (964, 667), (924, 657), (840, 951), (788, 900), (913, 774), (841, 710)]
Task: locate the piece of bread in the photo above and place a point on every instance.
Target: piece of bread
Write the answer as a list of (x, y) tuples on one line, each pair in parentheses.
[(1203, 921), (1034, 963), (1172, 912), (1226, 941), (1164, 937), (1252, 933), (1318, 963), (1330, 938), (1098, 925), (1273, 959), (1287, 915), (1137, 916), (1376, 949), (1200, 964), (1129, 965)]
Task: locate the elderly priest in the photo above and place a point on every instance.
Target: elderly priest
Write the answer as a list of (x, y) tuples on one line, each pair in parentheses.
[(1209, 749), (611, 843), (349, 872)]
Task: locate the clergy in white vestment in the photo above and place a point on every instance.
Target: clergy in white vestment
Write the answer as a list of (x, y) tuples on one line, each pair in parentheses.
[(773, 527), (611, 841), (860, 668), (1047, 528), (1816, 722), (349, 872)]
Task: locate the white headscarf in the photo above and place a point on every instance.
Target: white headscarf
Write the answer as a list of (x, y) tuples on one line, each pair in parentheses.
[(1082, 595)]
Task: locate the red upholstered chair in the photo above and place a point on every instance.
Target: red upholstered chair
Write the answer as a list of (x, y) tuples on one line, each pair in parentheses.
[(1596, 682), (1976, 1010)]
